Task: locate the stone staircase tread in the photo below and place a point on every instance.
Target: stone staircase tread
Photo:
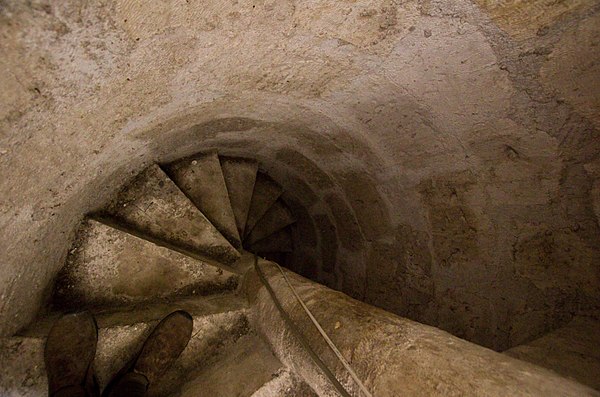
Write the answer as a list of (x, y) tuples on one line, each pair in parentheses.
[(280, 241), (128, 315), (230, 268), (265, 194), (571, 351), (276, 218), (117, 344), (240, 177), (22, 372), (285, 384), (155, 207), (242, 369), (278, 257), (201, 178), (107, 266)]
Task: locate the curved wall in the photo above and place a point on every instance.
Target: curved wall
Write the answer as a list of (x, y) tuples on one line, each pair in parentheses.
[(438, 168)]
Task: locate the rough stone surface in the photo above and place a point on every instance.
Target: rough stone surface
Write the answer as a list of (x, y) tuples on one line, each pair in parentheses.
[(276, 218), (241, 370), (285, 384), (328, 242), (522, 18), (201, 179), (266, 192), (358, 109), (23, 372), (571, 351), (280, 241), (108, 267), (240, 176), (572, 68), (153, 205), (404, 261)]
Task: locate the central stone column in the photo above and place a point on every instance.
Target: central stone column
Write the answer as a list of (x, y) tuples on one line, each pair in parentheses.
[(393, 356)]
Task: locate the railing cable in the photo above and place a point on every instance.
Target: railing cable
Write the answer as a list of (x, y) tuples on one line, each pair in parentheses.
[(330, 343), (299, 335)]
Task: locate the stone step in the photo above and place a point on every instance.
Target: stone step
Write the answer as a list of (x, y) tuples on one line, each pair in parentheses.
[(280, 241), (201, 179), (285, 384), (153, 206), (107, 266), (241, 370), (217, 320), (573, 351), (276, 218), (240, 176), (265, 194), (277, 257)]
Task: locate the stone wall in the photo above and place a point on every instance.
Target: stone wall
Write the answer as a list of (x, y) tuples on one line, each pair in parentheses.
[(443, 155)]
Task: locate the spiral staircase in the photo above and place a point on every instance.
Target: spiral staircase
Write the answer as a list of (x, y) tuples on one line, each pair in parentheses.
[(179, 236), (186, 235)]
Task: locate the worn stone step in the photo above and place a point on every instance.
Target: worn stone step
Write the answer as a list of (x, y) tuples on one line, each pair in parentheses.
[(277, 257), (265, 194), (107, 266), (201, 179), (153, 206), (217, 320), (573, 351), (240, 176), (285, 384), (242, 369), (280, 241), (276, 218)]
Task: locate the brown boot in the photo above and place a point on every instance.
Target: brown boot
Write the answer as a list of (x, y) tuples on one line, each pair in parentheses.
[(160, 350), (69, 355)]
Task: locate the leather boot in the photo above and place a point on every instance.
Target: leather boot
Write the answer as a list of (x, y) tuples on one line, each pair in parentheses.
[(160, 350), (69, 355)]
